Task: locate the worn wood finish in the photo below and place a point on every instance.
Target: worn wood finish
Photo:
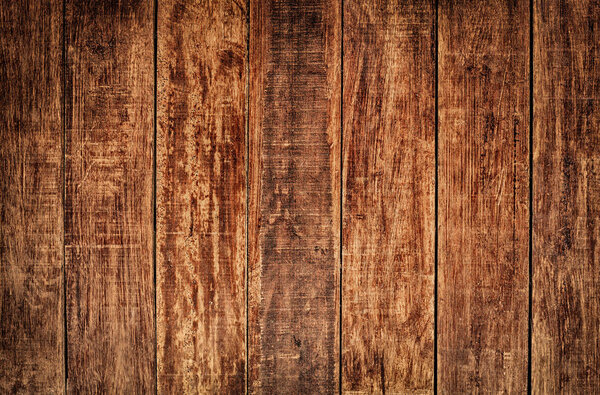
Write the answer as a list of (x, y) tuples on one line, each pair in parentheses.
[(31, 252), (566, 198), (201, 197), (294, 196), (483, 196), (108, 203), (388, 208)]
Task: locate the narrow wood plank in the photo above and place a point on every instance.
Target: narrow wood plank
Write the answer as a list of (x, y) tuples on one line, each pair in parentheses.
[(294, 218), (108, 207), (201, 199), (31, 221), (388, 208), (483, 196), (566, 201)]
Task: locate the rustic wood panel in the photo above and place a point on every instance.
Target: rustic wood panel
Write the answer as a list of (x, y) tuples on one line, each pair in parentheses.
[(201, 199), (483, 196), (294, 219), (388, 189), (566, 200), (108, 203), (31, 222)]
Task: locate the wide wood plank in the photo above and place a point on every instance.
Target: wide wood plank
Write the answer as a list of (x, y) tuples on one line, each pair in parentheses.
[(566, 197), (201, 197), (31, 221), (109, 207), (388, 207), (294, 216), (483, 196)]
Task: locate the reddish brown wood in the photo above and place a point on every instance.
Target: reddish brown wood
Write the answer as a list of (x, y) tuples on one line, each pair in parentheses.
[(388, 209), (201, 197), (108, 207), (294, 196), (31, 221), (483, 196)]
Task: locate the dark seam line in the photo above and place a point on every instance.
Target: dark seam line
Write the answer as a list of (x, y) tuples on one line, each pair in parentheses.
[(530, 318), (341, 189), (436, 203), (64, 190), (247, 165), (154, 187)]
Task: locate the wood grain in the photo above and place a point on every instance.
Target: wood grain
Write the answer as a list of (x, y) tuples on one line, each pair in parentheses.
[(388, 187), (483, 196), (31, 222), (294, 219), (108, 207), (201, 199), (566, 198)]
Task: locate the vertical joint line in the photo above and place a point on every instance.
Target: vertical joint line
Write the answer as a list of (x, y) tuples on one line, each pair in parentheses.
[(247, 165), (154, 187), (436, 204), (530, 258), (64, 191), (341, 191)]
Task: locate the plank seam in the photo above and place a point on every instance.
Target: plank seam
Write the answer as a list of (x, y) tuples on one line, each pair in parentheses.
[(530, 257), (247, 169), (64, 191), (341, 188), (436, 203), (154, 187)]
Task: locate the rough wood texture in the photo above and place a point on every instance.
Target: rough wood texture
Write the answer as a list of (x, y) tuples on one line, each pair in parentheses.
[(108, 207), (483, 196), (201, 198), (388, 208), (31, 310), (294, 196), (566, 201)]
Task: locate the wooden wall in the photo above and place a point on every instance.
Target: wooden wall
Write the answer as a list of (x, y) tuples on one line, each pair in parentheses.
[(284, 196)]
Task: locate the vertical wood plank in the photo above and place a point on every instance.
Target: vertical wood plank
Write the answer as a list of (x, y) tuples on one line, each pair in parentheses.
[(388, 207), (31, 221), (294, 196), (566, 197), (108, 207), (201, 199), (483, 196)]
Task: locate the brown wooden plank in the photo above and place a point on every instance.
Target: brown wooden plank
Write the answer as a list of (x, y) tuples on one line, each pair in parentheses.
[(201, 197), (294, 196), (483, 196), (31, 221), (566, 197), (388, 208), (108, 207)]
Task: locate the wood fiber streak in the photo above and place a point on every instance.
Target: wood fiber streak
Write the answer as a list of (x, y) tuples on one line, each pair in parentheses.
[(294, 196), (483, 196), (201, 197), (108, 207), (566, 200), (388, 207), (31, 225)]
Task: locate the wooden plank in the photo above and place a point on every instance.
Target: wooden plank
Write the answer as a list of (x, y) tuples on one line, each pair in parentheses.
[(483, 196), (201, 198), (294, 179), (388, 187), (566, 197), (109, 207), (31, 221)]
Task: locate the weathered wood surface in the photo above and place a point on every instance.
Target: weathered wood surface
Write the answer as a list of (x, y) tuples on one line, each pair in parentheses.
[(483, 196), (108, 202), (388, 189), (294, 176), (566, 198), (31, 222), (201, 197)]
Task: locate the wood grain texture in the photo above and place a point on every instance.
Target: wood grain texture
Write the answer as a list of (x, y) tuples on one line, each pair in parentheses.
[(108, 207), (483, 196), (201, 199), (294, 196), (566, 197), (388, 207), (31, 224)]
